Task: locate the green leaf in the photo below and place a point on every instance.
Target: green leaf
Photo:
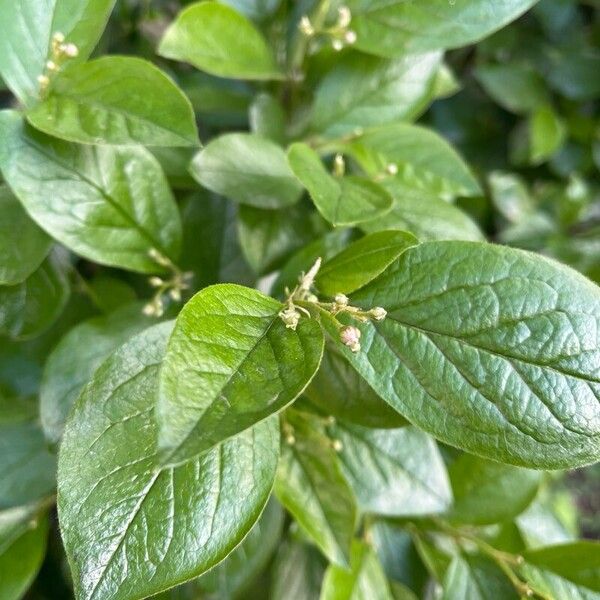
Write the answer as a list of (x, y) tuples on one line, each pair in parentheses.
[(364, 581), (267, 118), (491, 349), (310, 485), (362, 261), (254, 9), (388, 28), (23, 245), (182, 520), (425, 216), (27, 469), (546, 134), (416, 158), (108, 204), (247, 168), (487, 492), (544, 522), (217, 39), (518, 88), (297, 572), (511, 197), (364, 91), (23, 534), (116, 100), (30, 307), (28, 26), (341, 201), (230, 363), (230, 578), (75, 358), (394, 472), (476, 578), (338, 390)]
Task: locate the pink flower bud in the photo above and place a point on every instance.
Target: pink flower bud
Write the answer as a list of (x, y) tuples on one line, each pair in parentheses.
[(350, 336)]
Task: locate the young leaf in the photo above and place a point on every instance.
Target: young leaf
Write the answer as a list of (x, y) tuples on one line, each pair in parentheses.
[(247, 168), (310, 485), (217, 39), (364, 91), (231, 362), (364, 581), (546, 134), (417, 158), (28, 26), (23, 535), (487, 492), (389, 28), (116, 100), (492, 350), (30, 307), (342, 201), (338, 390), (75, 358), (183, 520), (108, 204), (394, 472), (23, 245), (362, 261)]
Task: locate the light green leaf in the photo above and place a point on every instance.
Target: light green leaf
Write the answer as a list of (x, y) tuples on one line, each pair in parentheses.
[(362, 261), (108, 204), (364, 581), (219, 40), (230, 364), (23, 534), (27, 469), (389, 28), (394, 472), (487, 492), (544, 523), (338, 390), (511, 197), (424, 215), (297, 572), (230, 578), (23, 245), (30, 307), (75, 358), (182, 520), (492, 350), (28, 26), (342, 201), (415, 158), (546, 134), (247, 168), (310, 485), (364, 91), (116, 100)]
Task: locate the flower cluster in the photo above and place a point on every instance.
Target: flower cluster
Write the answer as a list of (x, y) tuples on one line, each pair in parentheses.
[(340, 34), (61, 52)]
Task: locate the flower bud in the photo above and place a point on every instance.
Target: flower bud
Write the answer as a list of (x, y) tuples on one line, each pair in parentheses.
[(337, 45), (344, 17), (378, 313), (350, 337), (341, 299), (290, 317), (175, 294), (58, 37), (70, 50), (337, 445), (43, 80), (350, 37), (306, 27), (392, 169), (51, 66), (155, 281), (312, 298)]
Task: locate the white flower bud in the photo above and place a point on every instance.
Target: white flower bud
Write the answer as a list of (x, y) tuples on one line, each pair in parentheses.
[(337, 445), (330, 420), (350, 337), (344, 17), (341, 299), (43, 80), (392, 169), (70, 50), (337, 45), (378, 313), (148, 309), (312, 298), (339, 165), (290, 439), (175, 294), (306, 27), (155, 281), (290, 317), (58, 37), (51, 66), (350, 37)]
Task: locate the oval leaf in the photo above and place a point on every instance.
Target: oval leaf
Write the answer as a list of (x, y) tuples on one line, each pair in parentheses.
[(230, 363), (184, 520)]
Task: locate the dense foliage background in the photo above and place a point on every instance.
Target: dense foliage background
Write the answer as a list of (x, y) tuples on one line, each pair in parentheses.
[(112, 218)]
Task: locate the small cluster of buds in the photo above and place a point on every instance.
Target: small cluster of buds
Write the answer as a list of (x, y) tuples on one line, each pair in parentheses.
[(61, 51), (340, 34), (165, 288), (302, 294)]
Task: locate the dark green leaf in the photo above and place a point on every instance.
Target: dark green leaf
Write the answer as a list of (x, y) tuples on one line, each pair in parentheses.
[(230, 363), (109, 204), (362, 261), (23, 245), (394, 472), (217, 39), (247, 168), (254, 9), (28, 26), (364, 581), (116, 100), (492, 350), (182, 520), (76, 357), (267, 118), (310, 485)]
